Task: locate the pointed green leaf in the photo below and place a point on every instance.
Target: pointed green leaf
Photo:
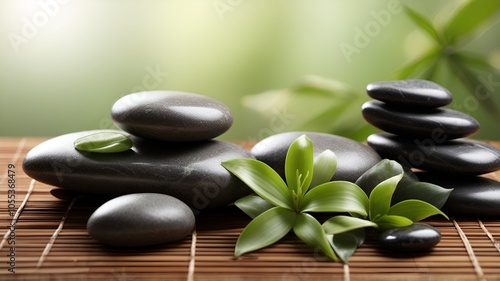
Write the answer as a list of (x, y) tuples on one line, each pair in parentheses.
[(265, 229), (473, 60), (415, 210), (253, 205), (341, 224), (262, 179), (317, 85), (424, 23), (345, 244), (428, 192), (324, 168), (103, 142), (336, 196), (381, 195), (380, 172), (308, 229), (388, 222), (299, 164), (469, 17), (424, 61)]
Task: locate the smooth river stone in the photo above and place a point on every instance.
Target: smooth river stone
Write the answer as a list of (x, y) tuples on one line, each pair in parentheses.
[(191, 172), (419, 122), (461, 156), (412, 92), (171, 116), (141, 219), (471, 196), (353, 157), (414, 238)]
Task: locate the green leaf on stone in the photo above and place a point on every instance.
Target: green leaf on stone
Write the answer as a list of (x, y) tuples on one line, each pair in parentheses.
[(391, 221), (380, 172), (336, 196), (308, 229), (428, 192), (262, 179), (324, 168), (415, 210), (253, 205), (299, 165), (381, 195), (265, 229), (341, 224), (345, 244), (104, 142)]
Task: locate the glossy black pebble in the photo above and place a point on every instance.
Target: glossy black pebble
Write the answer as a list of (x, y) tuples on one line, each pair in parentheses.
[(414, 238), (141, 219), (452, 157), (411, 92), (419, 122)]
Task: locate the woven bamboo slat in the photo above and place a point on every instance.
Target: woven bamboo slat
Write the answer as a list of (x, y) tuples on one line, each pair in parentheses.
[(51, 243)]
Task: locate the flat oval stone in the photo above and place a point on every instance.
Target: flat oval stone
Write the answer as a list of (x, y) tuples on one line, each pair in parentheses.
[(419, 122), (411, 92), (191, 172), (471, 196), (416, 237), (353, 157), (141, 219), (171, 116), (456, 157)]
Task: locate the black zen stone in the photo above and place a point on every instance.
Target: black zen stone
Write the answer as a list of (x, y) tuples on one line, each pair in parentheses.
[(471, 196), (354, 158), (460, 156), (412, 92), (414, 238), (141, 219), (419, 122), (191, 172), (171, 116)]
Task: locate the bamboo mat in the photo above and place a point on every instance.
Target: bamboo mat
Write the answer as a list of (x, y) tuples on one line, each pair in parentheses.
[(51, 243)]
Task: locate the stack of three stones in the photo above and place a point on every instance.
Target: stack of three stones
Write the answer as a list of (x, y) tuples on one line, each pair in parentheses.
[(423, 135)]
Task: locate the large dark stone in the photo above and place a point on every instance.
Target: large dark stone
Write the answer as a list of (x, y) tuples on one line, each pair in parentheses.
[(353, 157), (191, 172), (471, 196), (414, 238), (171, 116), (423, 123), (457, 156), (412, 92), (141, 219)]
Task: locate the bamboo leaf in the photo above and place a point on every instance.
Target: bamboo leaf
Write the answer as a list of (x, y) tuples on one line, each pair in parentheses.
[(104, 142), (469, 17), (336, 196), (308, 229), (424, 23), (341, 224), (428, 192), (424, 61), (262, 179), (299, 165), (415, 210), (324, 168), (264, 230), (345, 244), (381, 195), (253, 205), (390, 221)]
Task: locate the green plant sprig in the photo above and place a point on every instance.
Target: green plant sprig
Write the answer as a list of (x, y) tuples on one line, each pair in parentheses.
[(279, 207), (103, 142)]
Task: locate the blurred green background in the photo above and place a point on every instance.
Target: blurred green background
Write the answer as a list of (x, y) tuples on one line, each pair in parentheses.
[(64, 63)]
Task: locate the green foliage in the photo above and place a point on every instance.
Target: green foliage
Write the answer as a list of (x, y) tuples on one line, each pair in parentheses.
[(449, 41), (104, 142), (281, 207)]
